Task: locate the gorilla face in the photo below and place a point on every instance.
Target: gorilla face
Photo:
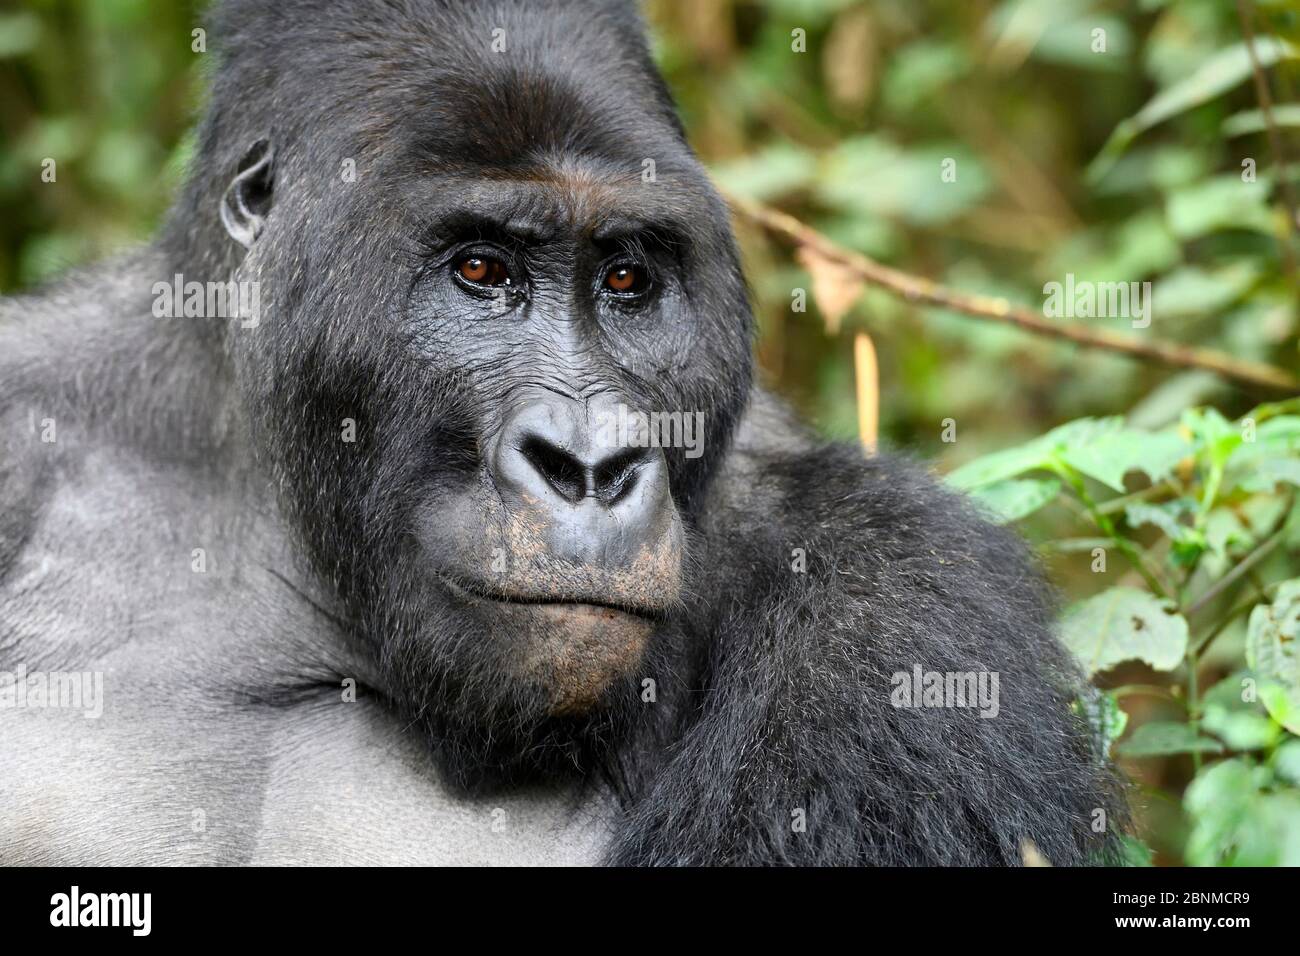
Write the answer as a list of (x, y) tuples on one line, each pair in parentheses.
[(560, 309), (497, 320)]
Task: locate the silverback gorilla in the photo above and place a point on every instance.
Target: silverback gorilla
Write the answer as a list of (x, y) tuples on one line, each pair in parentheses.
[(365, 575)]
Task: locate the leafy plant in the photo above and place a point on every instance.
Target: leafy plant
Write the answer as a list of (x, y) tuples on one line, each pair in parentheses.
[(1204, 518)]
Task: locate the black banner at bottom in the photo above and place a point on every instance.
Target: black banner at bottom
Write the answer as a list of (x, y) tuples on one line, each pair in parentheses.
[(366, 906)]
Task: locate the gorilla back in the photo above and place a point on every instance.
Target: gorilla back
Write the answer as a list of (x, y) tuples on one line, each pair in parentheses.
[(411, 499)]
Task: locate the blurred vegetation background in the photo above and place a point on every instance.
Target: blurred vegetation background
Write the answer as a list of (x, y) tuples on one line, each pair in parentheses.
[(1102, 138)]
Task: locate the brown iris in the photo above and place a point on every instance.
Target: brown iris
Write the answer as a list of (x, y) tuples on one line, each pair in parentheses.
[(625, 280), (481, 270)]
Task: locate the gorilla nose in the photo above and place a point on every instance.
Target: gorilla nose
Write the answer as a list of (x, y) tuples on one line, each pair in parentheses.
[(599, 501), (574, 477)]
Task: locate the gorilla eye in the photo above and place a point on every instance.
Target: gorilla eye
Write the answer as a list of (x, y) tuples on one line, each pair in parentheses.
[(482, 270), (626, 279)]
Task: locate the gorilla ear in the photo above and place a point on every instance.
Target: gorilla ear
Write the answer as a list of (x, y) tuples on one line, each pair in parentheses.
[(247, 201)]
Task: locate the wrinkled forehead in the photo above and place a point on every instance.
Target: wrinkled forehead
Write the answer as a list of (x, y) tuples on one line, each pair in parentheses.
[(565, 197)]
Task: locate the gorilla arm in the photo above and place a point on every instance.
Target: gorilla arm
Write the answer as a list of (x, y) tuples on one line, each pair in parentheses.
[(856, 574)]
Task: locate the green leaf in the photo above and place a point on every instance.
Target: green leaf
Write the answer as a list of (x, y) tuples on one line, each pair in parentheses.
[(1279, 704), (1133, 852), (1230, 693), (1082, 431), (19, 33), (770, 173), (1124, 624), (1252, 121), (1286, 762), (1164, 516), (1273, 652), (1265, 475), (1108, 458), (1192, 291), (1224, 531), (921, 71), (1007, 501), (1241, 729), (1041, 453), (1262, 513), (1160, 738), (906, 183), (1217, 75), (1001, 465), (1235, 824), (1218, 801), (1212, 433), (1277, 436), (1224, 202), (1262, 413)]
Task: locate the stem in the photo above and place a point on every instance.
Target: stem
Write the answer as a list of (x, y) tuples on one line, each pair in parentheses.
[(1227, 619), (1194, 703), (1151, 690), (916, 289), (1102, 521), (1243, 567), (1123, 501), (1246, 12)]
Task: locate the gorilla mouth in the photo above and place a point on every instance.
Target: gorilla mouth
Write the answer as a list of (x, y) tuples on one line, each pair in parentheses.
[(474, 591), (574, 646)]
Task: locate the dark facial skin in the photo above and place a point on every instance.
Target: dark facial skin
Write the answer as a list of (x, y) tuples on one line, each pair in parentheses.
[(552, 320)]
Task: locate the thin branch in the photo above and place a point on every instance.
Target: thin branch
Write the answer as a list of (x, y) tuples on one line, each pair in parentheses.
[(1247, 563), (1246, 11), (916, 289), (1107, 527)]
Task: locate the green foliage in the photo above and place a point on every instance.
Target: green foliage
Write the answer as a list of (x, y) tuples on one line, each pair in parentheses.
[(1242, 816), (1204, 518), (105, 89), (1221, 72), (1273, 652)]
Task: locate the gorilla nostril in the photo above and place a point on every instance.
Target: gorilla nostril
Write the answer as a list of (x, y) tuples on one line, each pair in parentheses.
[(561, 470), (616, 476)]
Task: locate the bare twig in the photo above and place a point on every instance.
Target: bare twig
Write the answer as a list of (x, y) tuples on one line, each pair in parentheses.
[(916, 289), (868, 388), (1246, 11)]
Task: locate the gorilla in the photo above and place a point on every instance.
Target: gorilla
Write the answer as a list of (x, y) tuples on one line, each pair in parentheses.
[(453, 529)]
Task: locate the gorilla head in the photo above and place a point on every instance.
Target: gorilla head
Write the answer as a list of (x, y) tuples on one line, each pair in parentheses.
[(477, 257)]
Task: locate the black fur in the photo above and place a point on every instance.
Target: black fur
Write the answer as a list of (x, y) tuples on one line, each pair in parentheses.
[(773, 684)]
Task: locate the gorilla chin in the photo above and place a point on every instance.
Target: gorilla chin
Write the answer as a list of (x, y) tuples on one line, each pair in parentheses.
[(573, 651)]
